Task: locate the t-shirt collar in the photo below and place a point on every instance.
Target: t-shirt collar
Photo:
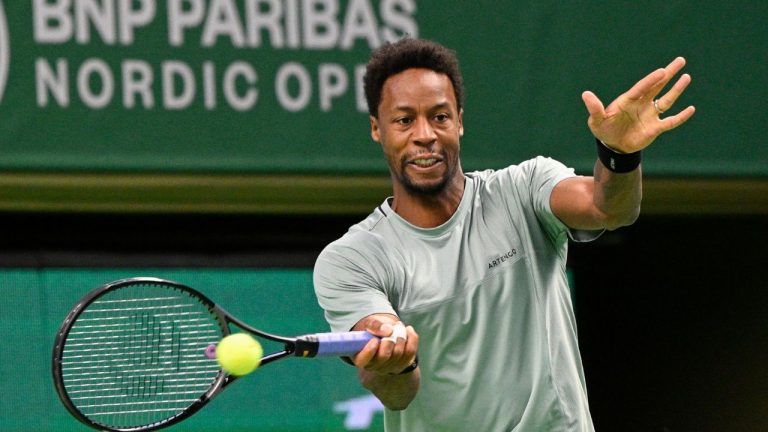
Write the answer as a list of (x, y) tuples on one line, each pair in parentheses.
[(458, 215)]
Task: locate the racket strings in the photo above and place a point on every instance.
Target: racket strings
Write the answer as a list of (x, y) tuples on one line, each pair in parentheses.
[(135, 356)]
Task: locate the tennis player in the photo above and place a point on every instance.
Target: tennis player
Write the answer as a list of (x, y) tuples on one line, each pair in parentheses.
[(463, 273)]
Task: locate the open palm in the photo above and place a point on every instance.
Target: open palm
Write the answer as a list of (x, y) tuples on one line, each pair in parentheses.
[(631, 122)]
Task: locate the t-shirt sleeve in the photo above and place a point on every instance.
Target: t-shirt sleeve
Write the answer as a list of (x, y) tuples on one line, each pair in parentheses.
[(542, 175), (350, 285)]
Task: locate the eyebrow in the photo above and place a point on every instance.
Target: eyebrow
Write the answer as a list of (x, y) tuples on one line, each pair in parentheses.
[(439, 106)]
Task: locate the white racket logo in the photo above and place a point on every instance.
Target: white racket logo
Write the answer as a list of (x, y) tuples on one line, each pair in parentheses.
[(5, 51)]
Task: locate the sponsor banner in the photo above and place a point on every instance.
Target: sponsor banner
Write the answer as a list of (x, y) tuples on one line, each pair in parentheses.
[(274, 86), (189, 84)]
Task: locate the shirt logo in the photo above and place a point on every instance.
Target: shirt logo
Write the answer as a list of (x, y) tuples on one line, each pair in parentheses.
[(502, 258)]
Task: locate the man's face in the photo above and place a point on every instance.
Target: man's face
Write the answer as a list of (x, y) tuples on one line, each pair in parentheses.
[(419, 127)]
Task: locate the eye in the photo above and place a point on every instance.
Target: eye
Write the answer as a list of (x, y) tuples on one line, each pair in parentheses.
[(404, 121), (442, 117)]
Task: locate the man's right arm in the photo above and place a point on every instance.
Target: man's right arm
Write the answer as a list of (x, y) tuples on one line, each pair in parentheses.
[(381, 362)]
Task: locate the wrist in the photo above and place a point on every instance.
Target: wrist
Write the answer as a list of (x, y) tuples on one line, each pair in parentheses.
[(410, 368), (615, 161)]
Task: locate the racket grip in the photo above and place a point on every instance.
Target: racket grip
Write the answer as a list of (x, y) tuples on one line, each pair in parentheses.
[(339, 344)]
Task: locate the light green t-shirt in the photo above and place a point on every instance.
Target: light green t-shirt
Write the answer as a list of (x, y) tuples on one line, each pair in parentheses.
[(488, 294)]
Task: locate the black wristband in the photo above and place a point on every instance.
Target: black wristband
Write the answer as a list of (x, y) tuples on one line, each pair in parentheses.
[(615, 161), (412, 367)]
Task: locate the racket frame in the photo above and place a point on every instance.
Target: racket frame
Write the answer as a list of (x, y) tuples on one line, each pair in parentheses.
[(223, 318)]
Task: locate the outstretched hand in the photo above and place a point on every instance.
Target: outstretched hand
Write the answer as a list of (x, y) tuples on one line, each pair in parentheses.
[(632, 121)]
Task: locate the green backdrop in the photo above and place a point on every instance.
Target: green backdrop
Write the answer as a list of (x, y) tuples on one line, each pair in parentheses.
[(290, 395), (89, 86)]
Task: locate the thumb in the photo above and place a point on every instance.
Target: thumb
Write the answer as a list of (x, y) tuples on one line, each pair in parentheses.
[(380, 329), (594, 105)]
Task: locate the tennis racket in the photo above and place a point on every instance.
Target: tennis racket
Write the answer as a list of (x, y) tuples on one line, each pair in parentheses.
[(138, 354)]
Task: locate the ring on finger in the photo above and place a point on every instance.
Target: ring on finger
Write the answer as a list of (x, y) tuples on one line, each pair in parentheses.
[(656, 107)]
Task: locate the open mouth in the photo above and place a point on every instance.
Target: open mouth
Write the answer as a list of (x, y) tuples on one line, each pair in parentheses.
[(425, 161)]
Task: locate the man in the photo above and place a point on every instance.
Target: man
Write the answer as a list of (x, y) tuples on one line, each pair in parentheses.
[(474, 263)]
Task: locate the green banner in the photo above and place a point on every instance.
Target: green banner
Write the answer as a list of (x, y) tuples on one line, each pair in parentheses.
[(274, 86), (290, 395)]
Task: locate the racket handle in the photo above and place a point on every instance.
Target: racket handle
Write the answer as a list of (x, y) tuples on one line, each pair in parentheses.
[(332, 344)]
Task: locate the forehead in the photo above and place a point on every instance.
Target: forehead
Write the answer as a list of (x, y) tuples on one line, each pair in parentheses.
[(416, 87)]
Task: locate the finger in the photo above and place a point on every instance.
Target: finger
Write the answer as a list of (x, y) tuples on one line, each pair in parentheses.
[(398, 332), (398, 349), (367, 354), (665, 102), (377, 359), (648, 86), (382, 360), (671, 122), (379, 328), (670, 71), (674, 66), (398, 358), (386, 346), (411, 344), (594, 105), (403, 355), (392, 357), (390, 335)]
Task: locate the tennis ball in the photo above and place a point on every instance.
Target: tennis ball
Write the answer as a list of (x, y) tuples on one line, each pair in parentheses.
[(239, 354)]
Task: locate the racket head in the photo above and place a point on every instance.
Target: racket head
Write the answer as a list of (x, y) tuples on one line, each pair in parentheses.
[(130, 356)]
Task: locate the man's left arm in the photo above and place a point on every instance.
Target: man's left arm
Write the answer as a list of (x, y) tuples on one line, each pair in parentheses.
[(611, 197)]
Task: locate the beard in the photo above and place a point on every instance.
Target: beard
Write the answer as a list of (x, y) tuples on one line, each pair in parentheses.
[(426, 188)]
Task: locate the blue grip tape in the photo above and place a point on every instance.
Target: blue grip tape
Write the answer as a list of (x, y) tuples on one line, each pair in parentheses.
[(342, 344)]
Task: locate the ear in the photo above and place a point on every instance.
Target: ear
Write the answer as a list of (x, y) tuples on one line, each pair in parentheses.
[(375, 131), (461, 122)]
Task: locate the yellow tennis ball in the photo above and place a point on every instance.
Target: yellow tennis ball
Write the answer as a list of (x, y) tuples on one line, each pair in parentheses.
[(239, 354)]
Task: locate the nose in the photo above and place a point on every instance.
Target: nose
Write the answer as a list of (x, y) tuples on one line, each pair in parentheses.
[(423, 132)]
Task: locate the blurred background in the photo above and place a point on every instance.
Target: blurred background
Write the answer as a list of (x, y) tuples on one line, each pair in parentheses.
[(224, 143)]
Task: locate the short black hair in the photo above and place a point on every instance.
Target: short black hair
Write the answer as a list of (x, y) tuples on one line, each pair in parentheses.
[(408, 53)]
